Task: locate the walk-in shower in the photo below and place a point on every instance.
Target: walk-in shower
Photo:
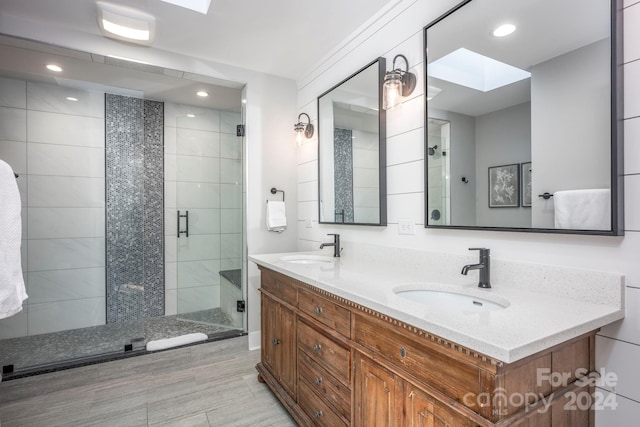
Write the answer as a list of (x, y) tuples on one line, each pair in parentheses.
[(132, 193)]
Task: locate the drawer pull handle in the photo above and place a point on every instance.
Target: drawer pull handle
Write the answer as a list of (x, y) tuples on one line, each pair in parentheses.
[(318, 310), (318, 380), (317, 347), (403, 352), (318, 414), (275, 341)]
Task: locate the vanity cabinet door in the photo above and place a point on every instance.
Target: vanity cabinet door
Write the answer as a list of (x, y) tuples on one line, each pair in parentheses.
[(422, 410), (377, 392), (386, 399), (278, 343)]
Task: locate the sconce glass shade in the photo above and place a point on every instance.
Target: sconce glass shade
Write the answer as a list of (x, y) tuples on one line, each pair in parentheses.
[(391, 90), (397, 84), (299, 128), (303, 129)]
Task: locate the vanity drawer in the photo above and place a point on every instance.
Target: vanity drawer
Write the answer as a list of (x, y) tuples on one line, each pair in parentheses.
[(325, 352), (279, 285), (325, 311), (445, 373), (324, 384), (319, 411)]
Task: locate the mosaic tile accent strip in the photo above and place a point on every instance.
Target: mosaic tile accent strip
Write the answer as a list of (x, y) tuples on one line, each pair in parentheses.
[(343, 174), (153, 215), (134, 208)]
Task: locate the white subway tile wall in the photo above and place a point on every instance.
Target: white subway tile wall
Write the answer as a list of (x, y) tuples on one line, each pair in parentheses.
[(402, 32), (15, 153), (13, 93), (58, 148), (13, 124)]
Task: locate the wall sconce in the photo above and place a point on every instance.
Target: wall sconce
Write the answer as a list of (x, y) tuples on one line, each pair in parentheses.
[(301, 129), (397, 83)]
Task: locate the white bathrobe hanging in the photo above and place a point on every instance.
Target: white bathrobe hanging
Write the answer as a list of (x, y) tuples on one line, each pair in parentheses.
[(12, 290)]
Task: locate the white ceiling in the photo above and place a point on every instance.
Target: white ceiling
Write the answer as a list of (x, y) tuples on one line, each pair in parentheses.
[(280, 37)]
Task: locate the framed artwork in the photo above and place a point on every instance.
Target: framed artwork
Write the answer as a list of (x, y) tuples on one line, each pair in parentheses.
[(504, 186), (525, 179)]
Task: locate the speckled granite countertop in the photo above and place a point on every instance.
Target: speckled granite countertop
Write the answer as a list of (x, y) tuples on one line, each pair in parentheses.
[(547, 305)]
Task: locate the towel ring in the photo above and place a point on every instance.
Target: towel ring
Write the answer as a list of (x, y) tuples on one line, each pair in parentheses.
[(274, 191)]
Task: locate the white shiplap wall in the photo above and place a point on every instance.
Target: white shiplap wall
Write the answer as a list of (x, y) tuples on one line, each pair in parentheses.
[(400, 31)]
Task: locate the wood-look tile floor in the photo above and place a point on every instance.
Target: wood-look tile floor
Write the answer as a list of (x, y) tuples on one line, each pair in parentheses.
[(213, 384)]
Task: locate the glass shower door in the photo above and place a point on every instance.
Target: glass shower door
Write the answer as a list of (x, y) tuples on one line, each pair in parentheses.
[(439, 167), (208, 219)]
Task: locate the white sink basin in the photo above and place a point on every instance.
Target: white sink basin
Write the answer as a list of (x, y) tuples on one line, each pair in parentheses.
[(451, 300), (308, 259)]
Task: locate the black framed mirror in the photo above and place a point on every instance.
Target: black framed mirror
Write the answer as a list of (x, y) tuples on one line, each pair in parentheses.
[(352, 150), (524, 129)]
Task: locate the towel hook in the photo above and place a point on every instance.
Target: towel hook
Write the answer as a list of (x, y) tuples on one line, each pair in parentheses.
[(274, 191)]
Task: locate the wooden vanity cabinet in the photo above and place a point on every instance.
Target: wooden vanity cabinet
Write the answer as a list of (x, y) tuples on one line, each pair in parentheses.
[(278, 351), (386, 399), (333, 362), (324, 371)]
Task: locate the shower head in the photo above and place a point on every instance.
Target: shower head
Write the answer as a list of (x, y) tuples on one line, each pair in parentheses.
[(432, 150)]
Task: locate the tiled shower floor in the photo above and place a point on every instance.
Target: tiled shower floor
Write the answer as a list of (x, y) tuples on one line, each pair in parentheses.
[(68, 346)]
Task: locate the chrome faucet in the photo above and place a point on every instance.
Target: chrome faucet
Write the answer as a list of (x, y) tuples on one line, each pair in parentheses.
[(484, 266), (335, 244)]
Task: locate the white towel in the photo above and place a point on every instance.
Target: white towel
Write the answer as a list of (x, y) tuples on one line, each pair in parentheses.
[(165, 343), (276, 216), (583, 209), (12, 291)]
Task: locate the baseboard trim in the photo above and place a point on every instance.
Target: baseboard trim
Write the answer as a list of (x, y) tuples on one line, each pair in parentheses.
[(254, 340)]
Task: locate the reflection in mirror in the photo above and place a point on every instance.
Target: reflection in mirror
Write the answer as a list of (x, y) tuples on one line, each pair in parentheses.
[(351, 150), (516, 116), (439, 168)]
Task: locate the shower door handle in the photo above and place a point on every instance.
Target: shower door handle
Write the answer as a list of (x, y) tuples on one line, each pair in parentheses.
[(186, 230)]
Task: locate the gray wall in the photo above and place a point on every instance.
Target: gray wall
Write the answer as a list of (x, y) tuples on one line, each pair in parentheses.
[(502, 137), (568, 127)]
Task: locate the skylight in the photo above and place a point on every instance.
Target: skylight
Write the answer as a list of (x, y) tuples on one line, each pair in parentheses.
[(201, 6), (470, 69)]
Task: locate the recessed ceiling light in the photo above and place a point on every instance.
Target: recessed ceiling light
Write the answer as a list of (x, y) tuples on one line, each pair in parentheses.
[(201, 6), (72, 99), (470, 69), (54, 67), (202, 93), (191, 116), (504, 30), (125, 23), (244, 101)]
